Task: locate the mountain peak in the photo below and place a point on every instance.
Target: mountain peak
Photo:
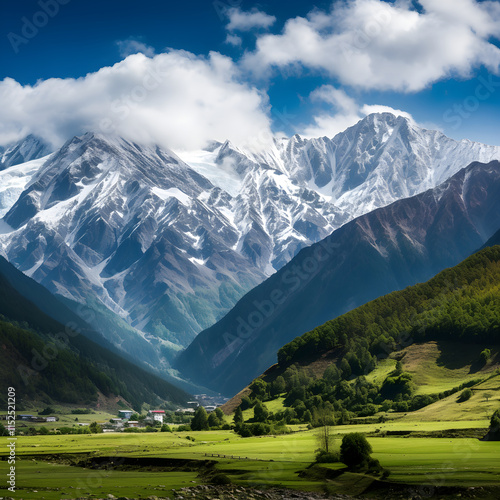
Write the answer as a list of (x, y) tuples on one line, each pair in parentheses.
[(29, 148)]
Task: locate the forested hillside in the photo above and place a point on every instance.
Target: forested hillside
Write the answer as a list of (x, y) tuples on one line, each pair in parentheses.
[(355, 364), (45, 360)]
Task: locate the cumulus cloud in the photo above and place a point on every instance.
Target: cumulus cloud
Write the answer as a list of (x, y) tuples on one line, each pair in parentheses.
[(132, 46), (344, 112), (374, 44), (175, 99), (245, 21), (234, 40)]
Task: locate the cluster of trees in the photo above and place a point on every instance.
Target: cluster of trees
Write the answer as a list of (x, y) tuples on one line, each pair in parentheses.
[(263, 422), (203, 421), (307, 398), (461, 303)]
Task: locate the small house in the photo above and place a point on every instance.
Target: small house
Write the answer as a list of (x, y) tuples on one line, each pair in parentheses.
[(126, 414), (133, 423), (51, 419), (157, 415)]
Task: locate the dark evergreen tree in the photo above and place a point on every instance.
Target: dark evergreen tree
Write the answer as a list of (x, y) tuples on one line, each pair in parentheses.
[(200, 420)]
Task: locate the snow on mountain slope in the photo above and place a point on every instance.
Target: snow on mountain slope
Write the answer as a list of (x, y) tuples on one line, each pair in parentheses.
[(14, 180), (381, 159), (171, 244), (30, 148), (134, 226)]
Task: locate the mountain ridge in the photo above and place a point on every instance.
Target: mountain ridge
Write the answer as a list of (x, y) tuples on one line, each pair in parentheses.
[(385, 250), (171, 245)]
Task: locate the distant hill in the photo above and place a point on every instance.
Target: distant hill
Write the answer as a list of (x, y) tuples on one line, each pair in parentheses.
[(45, 359), (388, 249), (494, 240), (445, 334)]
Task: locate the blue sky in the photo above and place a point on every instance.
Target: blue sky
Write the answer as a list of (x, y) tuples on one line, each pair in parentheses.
[(311, 68)]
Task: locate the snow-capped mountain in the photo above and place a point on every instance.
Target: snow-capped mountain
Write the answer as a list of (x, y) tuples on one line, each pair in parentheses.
[(14, 180), (30, 148), (171, 241), (134, 226), (388, 249), (381, 159)]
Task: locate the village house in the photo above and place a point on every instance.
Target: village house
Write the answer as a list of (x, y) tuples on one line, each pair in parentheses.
[(157, 415), (126, 414)]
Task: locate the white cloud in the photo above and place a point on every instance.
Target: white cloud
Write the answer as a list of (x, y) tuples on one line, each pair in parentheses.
[(234, 40), (368, 109), (175, 99), (131, 46), (345, 112), (247, 21), (374, 44)]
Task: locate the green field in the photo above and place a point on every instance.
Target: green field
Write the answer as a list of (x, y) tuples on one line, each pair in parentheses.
[(43, 469)]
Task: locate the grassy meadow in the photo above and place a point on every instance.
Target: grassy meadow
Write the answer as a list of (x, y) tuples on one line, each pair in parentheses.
[(432, 451), (45, 470)]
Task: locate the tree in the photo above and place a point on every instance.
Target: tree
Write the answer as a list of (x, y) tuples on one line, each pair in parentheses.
[(95, 428), (200, 420), (324, 438), (332, 374), (213, 420), (47, 411), (246, 403), (260, 412), (485, 356), (307, 416), (259, 389), (3, 430), (238, 416), (465, 395), (278, 386), (355, 449), (220, 415), (494, 430), (488, 395), (345, 368)]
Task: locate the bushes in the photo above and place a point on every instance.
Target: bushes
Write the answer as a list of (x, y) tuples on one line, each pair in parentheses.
[(355, 449), (355, 452), (327, 457), (464, 396), (95, 428), (261, 429), (484, 356), (220, 479)]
